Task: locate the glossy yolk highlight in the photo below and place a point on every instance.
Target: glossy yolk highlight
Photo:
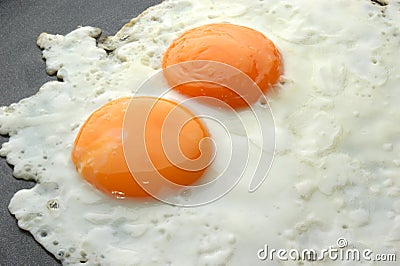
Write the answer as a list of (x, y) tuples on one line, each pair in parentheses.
[(98, 150), (243, 48)]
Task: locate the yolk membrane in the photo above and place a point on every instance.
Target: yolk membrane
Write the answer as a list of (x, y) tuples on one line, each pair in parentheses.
[(98, 152), (243, 48)]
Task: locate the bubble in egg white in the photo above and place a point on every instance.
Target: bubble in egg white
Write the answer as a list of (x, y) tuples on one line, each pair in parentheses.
[(332, 176)]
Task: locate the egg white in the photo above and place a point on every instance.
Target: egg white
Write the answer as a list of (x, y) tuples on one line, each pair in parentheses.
[(337, 161)]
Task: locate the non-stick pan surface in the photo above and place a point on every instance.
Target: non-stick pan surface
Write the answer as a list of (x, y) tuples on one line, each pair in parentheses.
[(22, 73)]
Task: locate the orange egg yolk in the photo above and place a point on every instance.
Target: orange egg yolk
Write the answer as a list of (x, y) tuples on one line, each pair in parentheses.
[(243, 48), (98, 151)]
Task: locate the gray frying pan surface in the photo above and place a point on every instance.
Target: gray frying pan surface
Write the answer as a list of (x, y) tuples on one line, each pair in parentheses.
[(22, 73)]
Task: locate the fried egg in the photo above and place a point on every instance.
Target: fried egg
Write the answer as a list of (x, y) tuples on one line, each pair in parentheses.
[(331, 84)]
